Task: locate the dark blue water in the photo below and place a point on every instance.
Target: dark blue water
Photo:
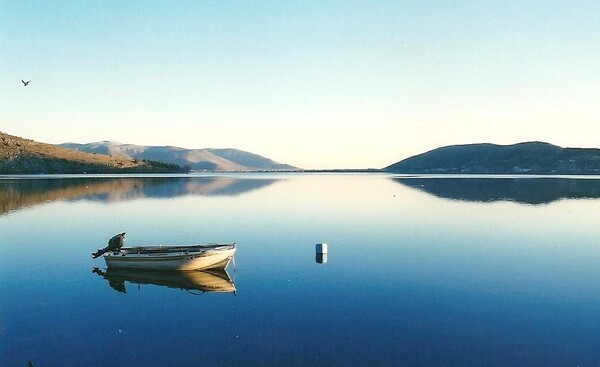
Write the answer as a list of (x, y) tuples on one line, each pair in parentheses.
[(420, 271)]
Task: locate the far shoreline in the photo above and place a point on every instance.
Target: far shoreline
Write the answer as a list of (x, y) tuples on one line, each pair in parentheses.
[(43, 176)]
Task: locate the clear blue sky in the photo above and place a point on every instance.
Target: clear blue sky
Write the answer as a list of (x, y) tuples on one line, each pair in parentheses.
[(316, 84)]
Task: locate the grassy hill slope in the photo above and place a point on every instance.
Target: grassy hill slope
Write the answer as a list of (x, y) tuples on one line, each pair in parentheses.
[(531, 157), (24, 156)]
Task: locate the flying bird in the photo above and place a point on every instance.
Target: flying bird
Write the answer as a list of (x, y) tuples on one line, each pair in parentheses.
[(25, 83)]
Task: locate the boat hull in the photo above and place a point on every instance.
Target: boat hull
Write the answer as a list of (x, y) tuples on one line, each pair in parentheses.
[(183, 260)]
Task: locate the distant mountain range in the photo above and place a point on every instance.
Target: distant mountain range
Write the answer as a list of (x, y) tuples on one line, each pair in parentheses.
[(522, 158), (193, 159), (24, 156)]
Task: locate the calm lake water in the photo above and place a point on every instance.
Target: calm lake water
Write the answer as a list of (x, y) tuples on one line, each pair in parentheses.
[(421, 271)]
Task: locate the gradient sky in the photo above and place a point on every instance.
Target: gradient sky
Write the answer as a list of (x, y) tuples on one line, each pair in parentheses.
[(315, 84)]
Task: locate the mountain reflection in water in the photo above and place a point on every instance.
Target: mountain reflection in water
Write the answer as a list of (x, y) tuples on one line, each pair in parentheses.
[(16, 194), (526, 190), (206, 281)]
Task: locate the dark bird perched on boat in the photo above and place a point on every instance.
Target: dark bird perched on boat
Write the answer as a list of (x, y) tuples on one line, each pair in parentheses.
[(114, 244), (25, 83)]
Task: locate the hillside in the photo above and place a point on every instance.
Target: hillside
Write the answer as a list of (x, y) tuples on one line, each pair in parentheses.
[(194, 159), (24, 156), (531, 158)]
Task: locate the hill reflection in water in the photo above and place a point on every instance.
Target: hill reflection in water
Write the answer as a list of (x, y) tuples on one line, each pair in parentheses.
[(525, 190), (16, 194)]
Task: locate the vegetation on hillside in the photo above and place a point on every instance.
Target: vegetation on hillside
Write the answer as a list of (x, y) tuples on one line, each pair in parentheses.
[(523, 158), (24, 156)]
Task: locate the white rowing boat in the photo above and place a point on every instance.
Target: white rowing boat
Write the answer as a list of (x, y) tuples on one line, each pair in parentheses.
[(192, 257)]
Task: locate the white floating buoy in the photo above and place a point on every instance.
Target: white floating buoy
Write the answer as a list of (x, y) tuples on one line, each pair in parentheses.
[(321, 253)]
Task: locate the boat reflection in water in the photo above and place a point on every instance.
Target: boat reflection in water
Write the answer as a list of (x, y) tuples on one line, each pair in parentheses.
[(196, 282)]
